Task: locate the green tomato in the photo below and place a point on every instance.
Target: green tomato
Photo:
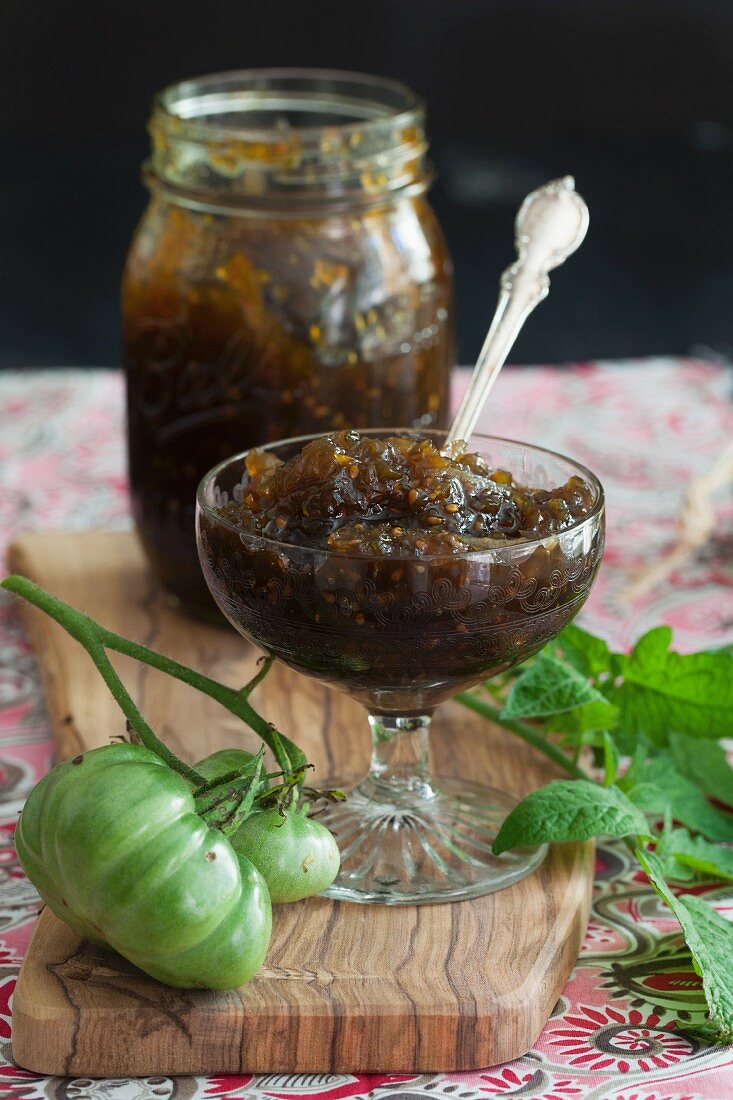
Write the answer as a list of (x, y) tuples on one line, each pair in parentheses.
[(223, 762), (113, 844), (296, 855)]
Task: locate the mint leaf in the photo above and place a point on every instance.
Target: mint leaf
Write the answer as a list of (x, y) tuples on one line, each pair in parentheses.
[(659, 788), (638, 758), (569, 809), (705, 763), (670, 840), (595, 716), (663, 691), (587, 653), (550, 686), (685, 856), (709, 937)]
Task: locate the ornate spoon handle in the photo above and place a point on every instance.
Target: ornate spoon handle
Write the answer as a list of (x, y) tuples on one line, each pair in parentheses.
[(550, 225)]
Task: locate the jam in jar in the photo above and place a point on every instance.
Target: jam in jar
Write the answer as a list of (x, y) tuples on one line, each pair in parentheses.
[(288, 277)]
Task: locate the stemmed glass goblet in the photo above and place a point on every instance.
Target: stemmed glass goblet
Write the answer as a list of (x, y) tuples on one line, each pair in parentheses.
[(402, 634)]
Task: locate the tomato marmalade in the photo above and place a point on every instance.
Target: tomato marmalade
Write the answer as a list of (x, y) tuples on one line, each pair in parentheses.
[(396, 570), (288, 277), (397, 497)]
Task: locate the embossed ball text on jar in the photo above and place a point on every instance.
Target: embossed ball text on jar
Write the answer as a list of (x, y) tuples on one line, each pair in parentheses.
[(289, 276)]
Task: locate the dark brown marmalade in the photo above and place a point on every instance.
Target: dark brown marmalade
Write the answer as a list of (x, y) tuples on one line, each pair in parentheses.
[(359, 561), (398, 497)]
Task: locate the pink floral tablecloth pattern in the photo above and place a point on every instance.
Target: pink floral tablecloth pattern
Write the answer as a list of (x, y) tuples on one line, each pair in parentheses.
[(646, 428)]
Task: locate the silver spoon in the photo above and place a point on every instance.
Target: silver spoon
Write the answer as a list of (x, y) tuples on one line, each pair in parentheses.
[(550, 225)]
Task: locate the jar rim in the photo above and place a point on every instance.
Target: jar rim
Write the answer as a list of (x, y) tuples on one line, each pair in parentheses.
[(287, 139), (185, 108)]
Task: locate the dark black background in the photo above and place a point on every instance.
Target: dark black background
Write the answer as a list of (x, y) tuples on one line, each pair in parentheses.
[(634, 97)]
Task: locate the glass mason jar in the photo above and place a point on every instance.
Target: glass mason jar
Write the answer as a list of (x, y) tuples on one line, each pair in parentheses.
[(288, 277)]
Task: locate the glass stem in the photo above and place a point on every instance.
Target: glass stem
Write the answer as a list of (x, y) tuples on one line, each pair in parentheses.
[(399, 764)]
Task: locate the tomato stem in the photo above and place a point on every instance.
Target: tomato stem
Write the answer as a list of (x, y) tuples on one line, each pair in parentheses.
[(86, 631), (134, 716), (289, 757), (266, 665)]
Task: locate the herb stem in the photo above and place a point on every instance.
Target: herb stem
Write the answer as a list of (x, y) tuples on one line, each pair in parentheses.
[(493, 714)]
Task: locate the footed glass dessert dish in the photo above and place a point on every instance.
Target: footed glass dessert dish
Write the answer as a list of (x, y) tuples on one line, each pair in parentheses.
[(402, 575)]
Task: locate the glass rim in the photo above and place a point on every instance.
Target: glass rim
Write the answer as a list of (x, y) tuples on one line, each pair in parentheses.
[(488, 554), (173, 105)]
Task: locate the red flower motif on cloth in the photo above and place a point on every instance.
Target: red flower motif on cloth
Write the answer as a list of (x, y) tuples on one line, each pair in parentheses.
[(508, 1081), (606, 1039), (597, 934), (231, 1083), (285, 1085), (16, 1082), (9, 864), (6, 990), (644, 1095)]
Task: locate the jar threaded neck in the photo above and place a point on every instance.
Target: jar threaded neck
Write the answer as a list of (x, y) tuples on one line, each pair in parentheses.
[(287, 138)]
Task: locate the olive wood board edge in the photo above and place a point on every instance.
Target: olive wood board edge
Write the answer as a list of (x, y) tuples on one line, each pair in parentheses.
[(345, 988)]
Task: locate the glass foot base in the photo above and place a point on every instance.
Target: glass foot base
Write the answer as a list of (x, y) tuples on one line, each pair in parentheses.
[(416, 846)]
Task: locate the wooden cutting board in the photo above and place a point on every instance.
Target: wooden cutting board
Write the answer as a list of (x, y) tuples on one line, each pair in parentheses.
[(345, 988)]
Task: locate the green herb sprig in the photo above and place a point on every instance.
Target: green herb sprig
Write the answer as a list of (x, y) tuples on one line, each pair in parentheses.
[(651, 721)]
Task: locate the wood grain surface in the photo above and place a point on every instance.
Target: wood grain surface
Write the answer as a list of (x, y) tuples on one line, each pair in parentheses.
[(345, 988)]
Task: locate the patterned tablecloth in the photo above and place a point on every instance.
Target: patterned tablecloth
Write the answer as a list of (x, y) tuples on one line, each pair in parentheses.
[(646, 428)]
